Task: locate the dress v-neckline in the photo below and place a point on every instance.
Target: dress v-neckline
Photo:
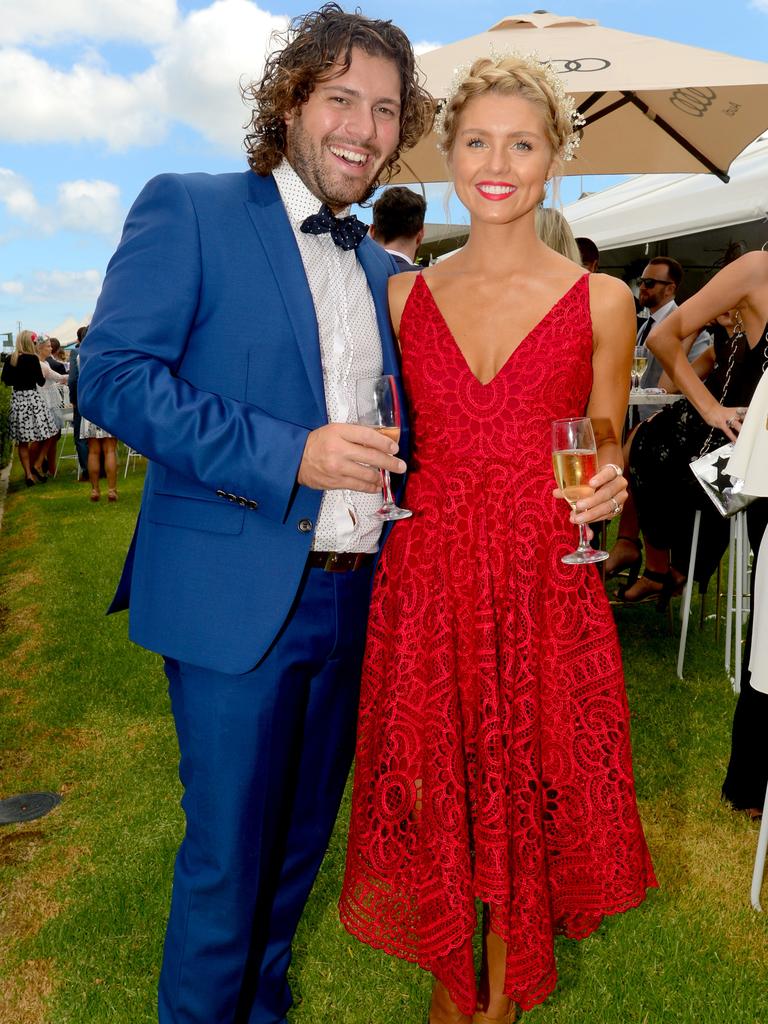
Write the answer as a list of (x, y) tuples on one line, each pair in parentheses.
[(507, 361)]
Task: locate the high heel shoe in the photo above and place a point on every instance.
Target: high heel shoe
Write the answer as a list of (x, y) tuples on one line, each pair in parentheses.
[(41, 477), (632, 566), (670, 587), (95, 495), (112, 496)]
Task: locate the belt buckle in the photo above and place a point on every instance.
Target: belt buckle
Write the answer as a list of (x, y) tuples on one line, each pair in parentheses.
[(331, 562)]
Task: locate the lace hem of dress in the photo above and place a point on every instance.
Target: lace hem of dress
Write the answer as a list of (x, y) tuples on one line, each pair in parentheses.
[(450, 967)]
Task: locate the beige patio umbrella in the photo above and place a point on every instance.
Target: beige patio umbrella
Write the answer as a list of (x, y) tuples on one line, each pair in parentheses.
[(650, 105)]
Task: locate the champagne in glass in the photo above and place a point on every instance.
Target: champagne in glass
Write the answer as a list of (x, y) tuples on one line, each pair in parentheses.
[(574, 458), (378, 406), (639, 363)]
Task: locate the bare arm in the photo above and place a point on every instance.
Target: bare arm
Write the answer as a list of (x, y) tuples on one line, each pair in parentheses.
[(743, 284), (613, 329), (702, 366)]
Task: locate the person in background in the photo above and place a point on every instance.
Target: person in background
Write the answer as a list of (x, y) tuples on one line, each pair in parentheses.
[(81, 446), (659, 283), (51, 391), (555, 231), (743, 286), (31, 423), (398, 224), (102, 446), (590, 254), (53, 359)]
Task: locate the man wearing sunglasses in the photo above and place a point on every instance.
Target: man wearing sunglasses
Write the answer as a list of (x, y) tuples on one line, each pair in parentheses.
[(658, 285)]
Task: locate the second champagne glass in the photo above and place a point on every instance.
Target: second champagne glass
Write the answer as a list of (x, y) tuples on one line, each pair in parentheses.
[(378, 406), (639, 363), (574, 458)]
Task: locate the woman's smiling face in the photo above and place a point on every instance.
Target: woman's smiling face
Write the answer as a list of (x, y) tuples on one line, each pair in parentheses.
[(501, 157)]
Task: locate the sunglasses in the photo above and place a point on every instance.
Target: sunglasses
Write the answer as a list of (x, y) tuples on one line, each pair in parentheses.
[(649, 282)]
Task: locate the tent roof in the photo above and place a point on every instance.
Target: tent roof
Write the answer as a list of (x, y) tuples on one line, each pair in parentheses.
[(650, 207)]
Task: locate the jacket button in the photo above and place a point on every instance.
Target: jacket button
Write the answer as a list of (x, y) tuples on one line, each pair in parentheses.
[(252, 504), (231, 497), (221, 494), (305, 525), (242, 501)]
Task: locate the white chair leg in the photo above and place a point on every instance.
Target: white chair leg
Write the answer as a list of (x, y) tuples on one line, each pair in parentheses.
[(762, 847), (729, 602), (739, 598), (685, 611)]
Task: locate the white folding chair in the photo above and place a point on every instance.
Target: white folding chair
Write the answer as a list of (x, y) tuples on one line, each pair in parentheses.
[(67, 434), (130, 453), (762, 847), (737, 594)]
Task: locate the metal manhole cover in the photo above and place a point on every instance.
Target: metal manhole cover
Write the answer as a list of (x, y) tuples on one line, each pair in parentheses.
[(27, 806)]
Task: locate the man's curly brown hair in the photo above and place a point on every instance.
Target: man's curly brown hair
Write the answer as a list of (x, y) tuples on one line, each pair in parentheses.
[(318, 46)]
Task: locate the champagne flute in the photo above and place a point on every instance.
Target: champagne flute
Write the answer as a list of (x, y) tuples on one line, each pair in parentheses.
[(574, 458), (378, 406), (639, 363)]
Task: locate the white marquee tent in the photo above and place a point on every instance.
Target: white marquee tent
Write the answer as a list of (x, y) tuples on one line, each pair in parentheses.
[(693, 217)]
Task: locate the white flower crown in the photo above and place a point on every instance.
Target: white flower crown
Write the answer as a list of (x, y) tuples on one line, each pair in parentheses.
[(565, 101)]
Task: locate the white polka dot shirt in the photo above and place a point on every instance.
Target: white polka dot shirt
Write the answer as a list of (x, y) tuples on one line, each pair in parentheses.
[(350, 348)]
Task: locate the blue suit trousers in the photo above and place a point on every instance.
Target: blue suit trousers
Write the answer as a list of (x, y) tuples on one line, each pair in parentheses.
[(264, 760)]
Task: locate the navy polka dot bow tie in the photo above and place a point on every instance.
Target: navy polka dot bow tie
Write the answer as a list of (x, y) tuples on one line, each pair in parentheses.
[(346, 232)]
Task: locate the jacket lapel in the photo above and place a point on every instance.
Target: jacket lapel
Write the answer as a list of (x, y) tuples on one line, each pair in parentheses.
[(274, 232), (378, 275)]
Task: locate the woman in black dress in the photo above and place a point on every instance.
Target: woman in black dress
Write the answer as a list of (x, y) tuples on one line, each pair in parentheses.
[(660, 452), (31, 423), (743, 285)]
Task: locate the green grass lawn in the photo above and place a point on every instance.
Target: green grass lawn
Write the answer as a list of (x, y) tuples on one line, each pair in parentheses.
[(84, 891)]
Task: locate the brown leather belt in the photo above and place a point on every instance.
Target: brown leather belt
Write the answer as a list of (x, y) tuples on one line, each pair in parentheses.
[(338, 561)]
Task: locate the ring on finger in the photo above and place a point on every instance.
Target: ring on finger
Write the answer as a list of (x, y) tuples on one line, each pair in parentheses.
[(615, 507), (730, 422), (617, 469)]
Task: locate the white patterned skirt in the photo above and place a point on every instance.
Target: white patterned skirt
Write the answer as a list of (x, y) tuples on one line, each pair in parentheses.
[(88, 429), (30, 419)]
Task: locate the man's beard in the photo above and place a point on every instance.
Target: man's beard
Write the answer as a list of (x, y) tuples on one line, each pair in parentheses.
[(330, 189)]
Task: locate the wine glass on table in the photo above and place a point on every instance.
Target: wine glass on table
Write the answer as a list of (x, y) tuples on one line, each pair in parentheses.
[(639, 363), (574, 458), (378, 406)]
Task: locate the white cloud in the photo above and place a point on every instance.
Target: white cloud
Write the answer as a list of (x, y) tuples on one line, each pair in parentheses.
[(419, 48), (202, 65), (72, 285), (11, 288), (91, 207), (17, 197), (41, 103), (41, 22), (761, 5)]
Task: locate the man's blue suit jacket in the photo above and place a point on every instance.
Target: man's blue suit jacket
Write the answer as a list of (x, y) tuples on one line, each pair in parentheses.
[(203, 354)]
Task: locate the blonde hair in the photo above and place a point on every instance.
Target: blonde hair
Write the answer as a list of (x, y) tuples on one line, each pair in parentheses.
[(25, 345), (553, 229), (512, 75)]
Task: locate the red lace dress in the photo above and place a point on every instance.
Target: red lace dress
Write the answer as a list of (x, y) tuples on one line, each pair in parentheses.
[(493, 756)]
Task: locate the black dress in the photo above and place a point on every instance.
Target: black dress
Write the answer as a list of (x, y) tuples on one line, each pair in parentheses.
[(663, 448), (747, 774)]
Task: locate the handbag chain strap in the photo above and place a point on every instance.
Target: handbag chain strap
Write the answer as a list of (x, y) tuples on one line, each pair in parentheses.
[(729, 370)]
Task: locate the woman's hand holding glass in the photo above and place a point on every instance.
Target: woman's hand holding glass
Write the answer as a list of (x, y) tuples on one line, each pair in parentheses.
[(591, 494)]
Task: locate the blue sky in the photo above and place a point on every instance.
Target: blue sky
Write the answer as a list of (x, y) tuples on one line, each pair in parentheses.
[(100, 95)]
